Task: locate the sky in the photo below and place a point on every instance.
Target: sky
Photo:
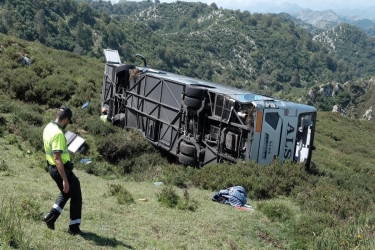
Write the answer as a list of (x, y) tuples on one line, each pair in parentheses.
[(260, 5)]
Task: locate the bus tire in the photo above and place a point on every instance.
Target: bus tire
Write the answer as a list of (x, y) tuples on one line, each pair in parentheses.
[(192, 102), (193, 91), (187, 149), (186, 160)]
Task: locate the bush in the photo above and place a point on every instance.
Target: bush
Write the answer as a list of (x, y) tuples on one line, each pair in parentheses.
[(260, 181), (168, 197), (122, 195), (141, 168), (3, 166), (7, 106), (2, 125), (95, 126), (220, 176), (55, 90), (97, 168), (187, 203), (122, 145), (34, 135), (12, 139), (177, 175), (30, 116)]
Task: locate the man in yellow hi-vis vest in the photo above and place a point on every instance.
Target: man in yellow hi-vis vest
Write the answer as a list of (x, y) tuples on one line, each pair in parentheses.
[(60, 168), (104, 115)]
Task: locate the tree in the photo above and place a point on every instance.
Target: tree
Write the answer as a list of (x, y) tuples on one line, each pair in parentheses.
[(213, 4), (40, 25)]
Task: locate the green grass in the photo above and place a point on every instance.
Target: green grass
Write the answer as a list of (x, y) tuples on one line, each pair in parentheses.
[(138, 225), (331, 207)]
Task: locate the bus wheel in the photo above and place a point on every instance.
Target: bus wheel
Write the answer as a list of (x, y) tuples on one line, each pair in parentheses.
[(193, 91), (192, 102), (186, 160), (187, 149)]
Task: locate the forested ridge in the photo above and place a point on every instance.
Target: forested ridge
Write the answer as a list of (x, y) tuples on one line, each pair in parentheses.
[(266, 53)]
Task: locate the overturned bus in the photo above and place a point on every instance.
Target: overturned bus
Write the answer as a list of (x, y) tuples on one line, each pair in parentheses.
[(201, 122)]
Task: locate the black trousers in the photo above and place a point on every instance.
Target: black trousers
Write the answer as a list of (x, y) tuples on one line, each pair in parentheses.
[(74, 193)]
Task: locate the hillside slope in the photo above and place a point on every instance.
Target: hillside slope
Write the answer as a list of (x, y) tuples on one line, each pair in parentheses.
[(263, 53)]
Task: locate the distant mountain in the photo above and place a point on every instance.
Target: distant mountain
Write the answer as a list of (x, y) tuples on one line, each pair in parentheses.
[(321, 19), (327, 19), (364, 13), (305, 25), (290, 7)]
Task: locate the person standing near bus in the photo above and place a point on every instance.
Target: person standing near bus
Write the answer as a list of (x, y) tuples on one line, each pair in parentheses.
[(61, 170), (104, 115)]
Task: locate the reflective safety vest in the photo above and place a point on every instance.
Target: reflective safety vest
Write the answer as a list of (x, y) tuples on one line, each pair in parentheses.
[(104, 118), (55, 142)]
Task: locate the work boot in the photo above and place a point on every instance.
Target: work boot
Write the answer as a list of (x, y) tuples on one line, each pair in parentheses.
[(50, 219), (74, 230)]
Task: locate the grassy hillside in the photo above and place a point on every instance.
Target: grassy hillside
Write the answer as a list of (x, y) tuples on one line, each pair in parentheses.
[(330, 207)]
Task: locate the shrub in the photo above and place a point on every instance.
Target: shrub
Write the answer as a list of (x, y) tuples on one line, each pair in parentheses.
[(177, 175), (2, 125), (144, 167), (34, 136), (168, 197), (122, 195), (12, 139), (55, 90), (7, 106), (122, 145), (187, 203), (30, 116), (97, 168), (3, 166), (220, 176), (96, 127), (23, 82)]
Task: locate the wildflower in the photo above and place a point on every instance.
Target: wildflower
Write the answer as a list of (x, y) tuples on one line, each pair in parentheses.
[(359, 236)]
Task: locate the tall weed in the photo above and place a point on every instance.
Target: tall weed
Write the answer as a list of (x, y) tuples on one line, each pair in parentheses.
[(12, 234)]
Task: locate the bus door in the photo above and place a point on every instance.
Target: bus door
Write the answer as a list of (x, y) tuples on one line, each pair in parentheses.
[(270, 135)]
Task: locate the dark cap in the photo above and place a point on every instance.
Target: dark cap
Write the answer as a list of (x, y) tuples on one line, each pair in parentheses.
[(65, 111)]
